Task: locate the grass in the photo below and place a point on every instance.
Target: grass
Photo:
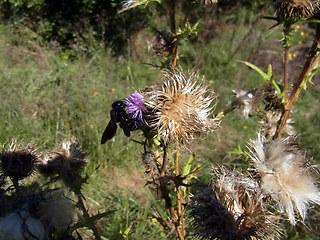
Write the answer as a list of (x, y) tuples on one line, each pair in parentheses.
[(46, 98)]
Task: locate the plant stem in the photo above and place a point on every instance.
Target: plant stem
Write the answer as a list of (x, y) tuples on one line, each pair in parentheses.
[(172, 19), (87, 218), (311, 61), (285, 73), (180, 223), (163, 186)]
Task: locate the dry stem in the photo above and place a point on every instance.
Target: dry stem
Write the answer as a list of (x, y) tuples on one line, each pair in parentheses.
[(311, 61), (180, 222), (172, 18), (163, 186)]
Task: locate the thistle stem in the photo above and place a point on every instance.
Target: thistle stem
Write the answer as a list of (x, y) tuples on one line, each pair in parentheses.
[(172, 19), (87, 217), (285, 74), (180, 223), (163, 186), (311, 61)]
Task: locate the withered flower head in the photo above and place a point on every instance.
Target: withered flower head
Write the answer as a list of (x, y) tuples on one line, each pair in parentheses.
[(209, 1), (245, 101), (149, 161), (17, 162), (38, 214), (285, 175), (232, 209), (67, 160), (162, 44), (55, 210), (269, 124), (296, 9), (180, 108), (21, 225), (271, 99)]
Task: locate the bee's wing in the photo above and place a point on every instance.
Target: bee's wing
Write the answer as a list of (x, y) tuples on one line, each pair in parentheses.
[(126, 132), (109, 132)]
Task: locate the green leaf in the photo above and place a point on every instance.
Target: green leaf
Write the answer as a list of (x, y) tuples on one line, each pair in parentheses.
[(237, 151), (264, 75), (310, 76), (187, 168), (269, 71), (276, 86), (188, 30)]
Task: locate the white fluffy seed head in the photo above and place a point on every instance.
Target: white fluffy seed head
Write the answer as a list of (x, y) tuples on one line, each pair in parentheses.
[(285, 175)]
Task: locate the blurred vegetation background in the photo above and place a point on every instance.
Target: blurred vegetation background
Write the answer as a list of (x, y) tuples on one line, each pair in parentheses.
[(63, 63)]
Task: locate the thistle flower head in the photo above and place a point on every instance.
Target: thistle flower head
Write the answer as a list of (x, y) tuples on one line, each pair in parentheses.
[(21, 225), (269, 124), (67, 160), (232, 209), (181, 108), (285, 175), (56, 211), (209, 1), (244, 102), (161, 44), (37, 214), (296, 9), (17, 162), (135, 107), (271, 99)]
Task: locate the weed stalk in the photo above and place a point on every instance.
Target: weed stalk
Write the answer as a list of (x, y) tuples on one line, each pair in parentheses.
[(311, 61)]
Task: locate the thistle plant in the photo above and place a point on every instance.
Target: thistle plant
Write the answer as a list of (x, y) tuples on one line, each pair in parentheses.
[(173, 113), (178, 109)]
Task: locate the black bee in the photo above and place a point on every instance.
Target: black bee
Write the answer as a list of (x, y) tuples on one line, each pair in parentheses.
[(109, 132), (119, 115)]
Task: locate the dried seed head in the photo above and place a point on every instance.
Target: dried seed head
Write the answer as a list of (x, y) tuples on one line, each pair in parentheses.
[(269, 124), (41, 214), (232, 209), (296, 9), (245, 101), (271, 99), (21, 225), (285, 175), (67, 160), (181, 108), (150, 162), (56, 211), (209, 1), (18, 163), (162, 44)]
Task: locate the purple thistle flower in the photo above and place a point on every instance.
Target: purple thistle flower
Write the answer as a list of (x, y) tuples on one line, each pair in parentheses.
[(135, 106)]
